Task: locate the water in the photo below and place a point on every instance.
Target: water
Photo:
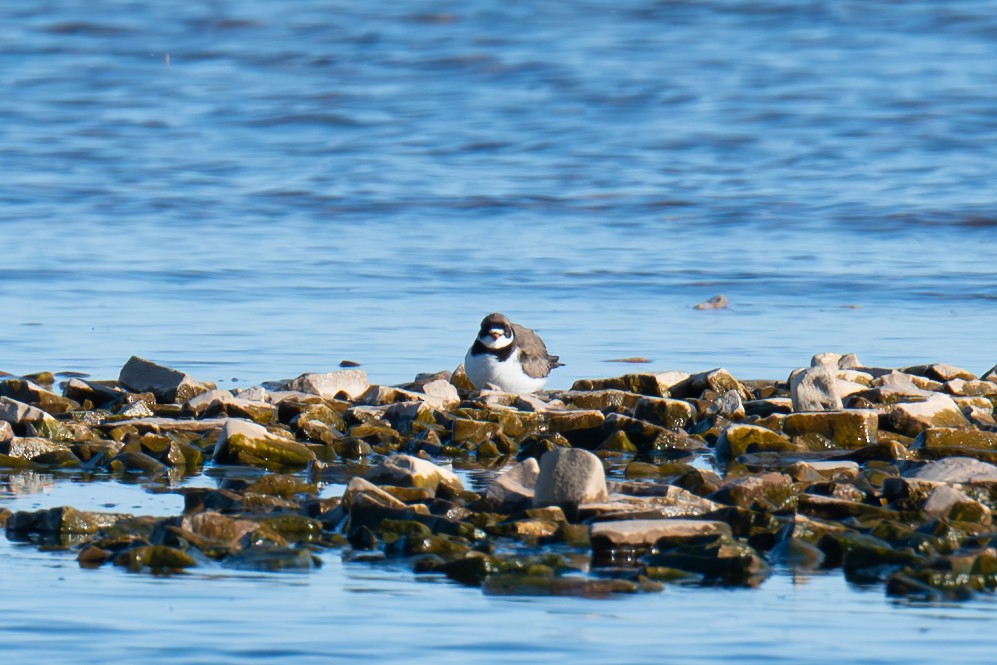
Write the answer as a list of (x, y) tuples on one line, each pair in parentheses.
[(250, 190)]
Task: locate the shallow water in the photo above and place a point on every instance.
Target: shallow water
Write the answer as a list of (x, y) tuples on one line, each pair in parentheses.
[(251, 190)]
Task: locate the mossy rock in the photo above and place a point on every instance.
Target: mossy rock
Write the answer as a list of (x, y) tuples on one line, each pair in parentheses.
[(269, 453), (738, 439), (949, 438), (850, 428), (156, 558)]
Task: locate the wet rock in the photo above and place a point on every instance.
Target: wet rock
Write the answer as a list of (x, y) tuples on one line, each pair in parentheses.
[(349, 382), (28, 392), (582, 428), (168, 385), (6, 431), (20, 415), (409, 471), (852, 428), (64, 520), (940, 372), (718, 380), (945, 501), (736, 440), (771, 492), (957, 470), (646, 533), (831, 508), (728, 405), (273, 558), (938, 410), (642, 384), (525, 584), (155, 558), (137, 462), (363, 493), (241, 442), (719, 559), (602, 400), (668, 413), (569, 477), (946, 438), (29, 447), (816, 388), (642, 501), (818, 471), (513, 491)]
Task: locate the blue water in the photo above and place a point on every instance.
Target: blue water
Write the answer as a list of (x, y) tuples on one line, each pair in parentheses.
[(250, 190)]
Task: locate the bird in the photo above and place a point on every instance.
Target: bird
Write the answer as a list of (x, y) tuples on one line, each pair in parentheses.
[(508, 357)]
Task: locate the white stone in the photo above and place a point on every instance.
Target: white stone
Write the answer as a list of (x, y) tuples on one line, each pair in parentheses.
[(353, 382), (816, 388), (570, 476), (440, 394), (410, 471)]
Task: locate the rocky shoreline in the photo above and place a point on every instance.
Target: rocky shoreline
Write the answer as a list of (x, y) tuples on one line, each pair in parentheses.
[(619, 485)]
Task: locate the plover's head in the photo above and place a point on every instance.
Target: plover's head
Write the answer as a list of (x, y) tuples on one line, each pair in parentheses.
[(496, 331)]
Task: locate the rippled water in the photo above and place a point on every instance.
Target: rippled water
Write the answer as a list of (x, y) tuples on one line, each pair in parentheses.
[(249, 190)]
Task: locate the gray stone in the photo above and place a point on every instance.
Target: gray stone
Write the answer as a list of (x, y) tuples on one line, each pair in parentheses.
[(667, 501), (514, 490), (352, 382), (570, 476), (957, 470), (168, 385), (816, 388), (6, 431), (943, 499), (27, 447), (363, 493)]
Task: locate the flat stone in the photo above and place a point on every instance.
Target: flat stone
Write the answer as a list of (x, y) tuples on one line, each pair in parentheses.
[(971, 388), (910, 418), (98, 393), (947, 437), (363, 493), (168, 385), (848, 428), (351, 382), (570, 476), (769, 491), (645, 533), (672, 501), (441, 394), (601, 400), (957, 470), (410, 471), (816, 471), (27, 447), (642, 384), (514, 489), (223, 402), (159, 425)]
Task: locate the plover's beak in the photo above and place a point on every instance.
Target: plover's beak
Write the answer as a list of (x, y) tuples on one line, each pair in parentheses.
[(495, 333)]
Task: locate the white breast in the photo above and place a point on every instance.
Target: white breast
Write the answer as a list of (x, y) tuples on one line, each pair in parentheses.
[(507, 375)]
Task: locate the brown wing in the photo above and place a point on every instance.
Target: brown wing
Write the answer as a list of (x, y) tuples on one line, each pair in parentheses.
[(533, 353)]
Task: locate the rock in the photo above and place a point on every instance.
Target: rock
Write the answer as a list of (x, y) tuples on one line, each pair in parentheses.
[(736, 440), (819, 471), (768, 491), (947, 437), (940, 372), (19, 413), (351, 382), (242, 442), (668, 413), (646, 533), (222, 402), (28, 447), (569, 477), (659, 502), (728, 405), (719, 559), (64, 520), (168, 385), (716, 302), (581, 428), (6, 431), (910, 418), (944, 501), (409, 471), (957, 470), (642, 384), (971, 388), (441, 394), (850, 428), (816, 388), (610, 399), (363, 493), (513, 491), (25, 391), (718, 380)]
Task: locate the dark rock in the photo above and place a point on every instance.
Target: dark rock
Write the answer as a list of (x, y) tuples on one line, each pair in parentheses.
[(168, 385)]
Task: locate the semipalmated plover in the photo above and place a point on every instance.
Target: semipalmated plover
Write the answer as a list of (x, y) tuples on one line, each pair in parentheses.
[(508, 357)]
